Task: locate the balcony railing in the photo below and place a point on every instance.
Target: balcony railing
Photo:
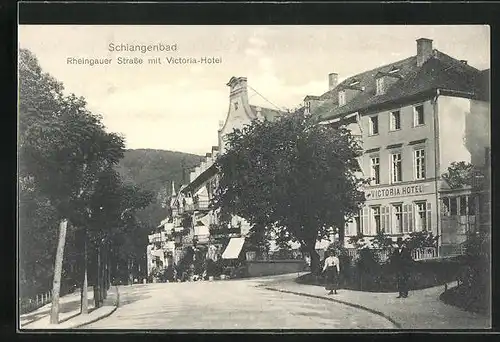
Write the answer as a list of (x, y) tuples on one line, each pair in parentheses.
[(383, 255)]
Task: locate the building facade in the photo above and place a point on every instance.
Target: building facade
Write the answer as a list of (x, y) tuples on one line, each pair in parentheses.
[(414, 118), (191, 221)]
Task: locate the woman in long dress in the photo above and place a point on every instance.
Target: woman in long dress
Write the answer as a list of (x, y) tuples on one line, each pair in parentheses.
[(332, 271)]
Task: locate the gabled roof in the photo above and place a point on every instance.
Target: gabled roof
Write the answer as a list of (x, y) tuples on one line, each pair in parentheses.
[(440, 71)]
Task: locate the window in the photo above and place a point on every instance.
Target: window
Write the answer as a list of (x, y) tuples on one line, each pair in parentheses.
[(307, 108), (397, 210), (446, 206), (384, 224), (341, 98), (418, 115), (396, 170), (395, 123), (407, 218), (375, 220), (236, 106), (420, 216), (453, 206), (420, 164), (380, 86), (463, 205), (373, 125), (375, 170), (472, 205), (358, 225)]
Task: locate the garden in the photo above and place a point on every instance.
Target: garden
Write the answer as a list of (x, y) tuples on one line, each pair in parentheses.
[(372, 266)]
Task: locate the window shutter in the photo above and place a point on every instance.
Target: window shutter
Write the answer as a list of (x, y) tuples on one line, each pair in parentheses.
[(365, 226), (428, 224), (405, 219), (388, 219), (384, 220), (371, 212), (411, 214)]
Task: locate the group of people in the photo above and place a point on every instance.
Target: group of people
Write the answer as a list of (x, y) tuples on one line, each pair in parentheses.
[(401, 259)]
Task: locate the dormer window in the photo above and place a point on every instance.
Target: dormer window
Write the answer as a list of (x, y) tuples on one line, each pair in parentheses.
[(341, 97), (354, 83), (394, 70), (380, 86)]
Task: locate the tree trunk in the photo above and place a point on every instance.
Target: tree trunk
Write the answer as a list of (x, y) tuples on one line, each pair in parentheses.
[(56, 287), (342, 230), (315, 262), (129, 271), (97, 286), (85, 286), (104, 274)]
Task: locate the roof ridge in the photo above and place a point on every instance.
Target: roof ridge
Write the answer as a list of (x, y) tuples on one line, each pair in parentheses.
[(458, 61), (261, 107), (380, 67), (359, 75)]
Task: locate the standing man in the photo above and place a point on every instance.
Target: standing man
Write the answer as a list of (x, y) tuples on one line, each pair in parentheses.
[(402, 261)]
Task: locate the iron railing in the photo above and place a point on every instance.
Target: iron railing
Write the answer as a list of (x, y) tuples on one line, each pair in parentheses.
[(423, 253)]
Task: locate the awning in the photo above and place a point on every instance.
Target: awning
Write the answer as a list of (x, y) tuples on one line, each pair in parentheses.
[(201, 230), (234, 248)]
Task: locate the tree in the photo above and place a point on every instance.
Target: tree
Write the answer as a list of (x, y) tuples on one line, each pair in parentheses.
[(62, 149), (292, 175), (459, 174)]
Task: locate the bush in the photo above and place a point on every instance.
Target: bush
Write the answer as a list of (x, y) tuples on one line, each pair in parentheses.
[(369, 275), (421, 240)]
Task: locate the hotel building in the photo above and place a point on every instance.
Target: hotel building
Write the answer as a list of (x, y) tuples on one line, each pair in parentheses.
[(414, 117)]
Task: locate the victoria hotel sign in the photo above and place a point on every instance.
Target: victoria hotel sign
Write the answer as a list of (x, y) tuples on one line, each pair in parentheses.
[(399, 190)]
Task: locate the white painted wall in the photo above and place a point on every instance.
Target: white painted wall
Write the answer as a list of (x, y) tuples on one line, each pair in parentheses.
[(452, 112)]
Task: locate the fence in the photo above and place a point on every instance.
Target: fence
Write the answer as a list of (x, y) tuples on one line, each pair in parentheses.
[(31, 304), (384, 254)]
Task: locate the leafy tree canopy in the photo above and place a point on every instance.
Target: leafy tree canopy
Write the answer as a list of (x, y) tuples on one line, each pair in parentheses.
[(293, 175), (460, 174)]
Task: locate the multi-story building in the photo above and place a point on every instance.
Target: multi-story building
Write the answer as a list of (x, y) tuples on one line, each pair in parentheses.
[(191, 219), (414, 118)]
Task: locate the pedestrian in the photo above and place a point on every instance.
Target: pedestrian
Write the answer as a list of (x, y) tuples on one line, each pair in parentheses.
[(402, 261), (332, 271)]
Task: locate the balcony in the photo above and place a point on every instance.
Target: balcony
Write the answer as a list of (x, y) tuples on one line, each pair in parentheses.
[(202, 205)]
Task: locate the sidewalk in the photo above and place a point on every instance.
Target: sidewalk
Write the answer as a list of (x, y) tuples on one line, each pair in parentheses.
[(421, 310), (69, 312)]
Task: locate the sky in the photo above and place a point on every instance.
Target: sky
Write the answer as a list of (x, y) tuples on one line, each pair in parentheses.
[(178, 107)]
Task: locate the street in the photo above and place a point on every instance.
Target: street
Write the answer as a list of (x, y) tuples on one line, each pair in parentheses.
[(237, 304)]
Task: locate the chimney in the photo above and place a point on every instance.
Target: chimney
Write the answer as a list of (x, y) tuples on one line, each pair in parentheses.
[(424, 50), (333, 79)]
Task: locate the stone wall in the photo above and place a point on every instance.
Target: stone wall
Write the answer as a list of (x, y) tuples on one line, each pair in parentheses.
[(274, 267)]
